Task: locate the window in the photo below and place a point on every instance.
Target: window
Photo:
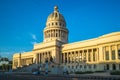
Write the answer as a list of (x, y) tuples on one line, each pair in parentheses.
[(69, 60), (118, 54), (89, 57), (56, 35), (94, 66), (113, 54), (72, 67), (119, 66), (107, 55), (107, 66), (76, 66), (65, 57), (80, 66), (68, 66), (114, 67), (93, 56), (56, 23), (60, 24), (90, 66), (118, 51), (52, 24), (72, 57)]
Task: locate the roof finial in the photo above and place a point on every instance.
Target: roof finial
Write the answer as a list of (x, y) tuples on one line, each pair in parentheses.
[(55, 8)]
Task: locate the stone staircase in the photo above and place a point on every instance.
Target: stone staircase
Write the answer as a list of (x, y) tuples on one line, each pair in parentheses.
[(53, 68), (26, 68)]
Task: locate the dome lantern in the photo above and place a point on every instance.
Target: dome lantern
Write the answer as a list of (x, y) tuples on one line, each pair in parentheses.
[(56, 9)]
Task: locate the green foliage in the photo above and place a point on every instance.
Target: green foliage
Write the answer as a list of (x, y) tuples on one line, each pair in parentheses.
[(115, 72), (4, 59), (10, 62), (5, 67), (99, 71)]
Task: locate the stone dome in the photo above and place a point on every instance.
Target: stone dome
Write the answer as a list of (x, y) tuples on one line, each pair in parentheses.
[(56, 27), (55, 16)]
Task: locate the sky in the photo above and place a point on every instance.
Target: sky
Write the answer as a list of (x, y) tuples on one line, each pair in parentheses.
[(22, 21)]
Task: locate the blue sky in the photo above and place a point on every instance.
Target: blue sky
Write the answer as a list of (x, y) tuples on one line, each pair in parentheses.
[(22, 21)]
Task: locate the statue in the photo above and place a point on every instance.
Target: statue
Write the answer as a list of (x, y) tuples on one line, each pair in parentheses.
[(46, 66)]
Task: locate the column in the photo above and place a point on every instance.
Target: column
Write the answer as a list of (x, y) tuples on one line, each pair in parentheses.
[(110, 52), (39, 57), (87, 56), (82, 55), (67, 57), (53, 33), (78, 56), (91, 55), (104, 53), (74, 55), (97, 54), (60, 33), (13, 65), (116, 52), (42, 57), (63, 57), (36, 59)]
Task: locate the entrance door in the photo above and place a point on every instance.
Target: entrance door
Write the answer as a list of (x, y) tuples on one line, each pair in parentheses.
[(114, 67), (107, 66)]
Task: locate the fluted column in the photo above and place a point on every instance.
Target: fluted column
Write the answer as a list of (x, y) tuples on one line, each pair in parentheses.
[(60, 33), (104, 58), (63, 57), (91, 55), (42, 57), (116, 52), (39, 57), (110, 52), (87, 56), (36, 59), (97, 54), (70, 57)]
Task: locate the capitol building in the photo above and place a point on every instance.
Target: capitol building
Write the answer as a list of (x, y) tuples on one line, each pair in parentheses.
[(97, 54)]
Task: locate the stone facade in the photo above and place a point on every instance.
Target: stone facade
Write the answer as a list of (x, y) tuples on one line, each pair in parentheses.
[(98, 54)]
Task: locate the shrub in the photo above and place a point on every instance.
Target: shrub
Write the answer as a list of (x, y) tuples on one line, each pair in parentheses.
[(115, 72), (79, 72), (99, 71)]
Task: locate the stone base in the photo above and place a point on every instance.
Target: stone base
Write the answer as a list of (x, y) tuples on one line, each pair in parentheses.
[(56, 70)]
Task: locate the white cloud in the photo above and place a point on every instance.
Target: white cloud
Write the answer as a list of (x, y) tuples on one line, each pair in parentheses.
[(33, 42), (33, 36)]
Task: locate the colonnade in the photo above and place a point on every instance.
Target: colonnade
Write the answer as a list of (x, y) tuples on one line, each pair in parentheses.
[(111, 52), (26, 61), (55, 33), (87, 55), (41, 57)]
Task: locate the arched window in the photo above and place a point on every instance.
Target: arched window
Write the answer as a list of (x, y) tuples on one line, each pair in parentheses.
[(56, 23), (49, 24), (52, 24), (60, 24)]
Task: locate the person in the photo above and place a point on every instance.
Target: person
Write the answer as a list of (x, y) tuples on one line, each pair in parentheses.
[(65, 71)]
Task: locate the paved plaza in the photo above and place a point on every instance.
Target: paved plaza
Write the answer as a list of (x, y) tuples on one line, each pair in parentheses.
[(29, 76)]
